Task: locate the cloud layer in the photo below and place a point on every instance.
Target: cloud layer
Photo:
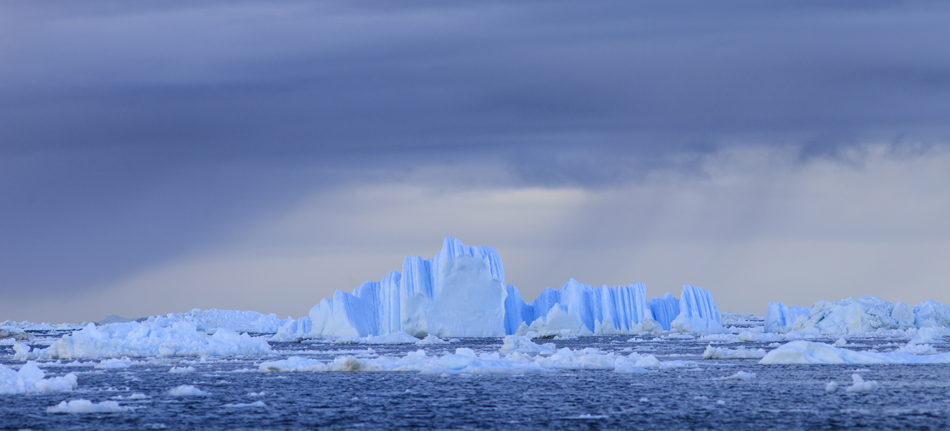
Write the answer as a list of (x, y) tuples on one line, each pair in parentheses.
[(668, 140)]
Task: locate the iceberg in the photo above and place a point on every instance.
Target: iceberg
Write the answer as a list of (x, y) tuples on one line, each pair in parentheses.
[(811, 353), (146, 339), (461, 292), (855, 316)]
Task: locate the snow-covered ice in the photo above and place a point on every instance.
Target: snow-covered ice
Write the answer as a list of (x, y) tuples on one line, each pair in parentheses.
[(186, 391), (724, 353), (236, 320), (86, 406), (144, 339), (860, 385), (517, 355), (807, 352), (30, 379)]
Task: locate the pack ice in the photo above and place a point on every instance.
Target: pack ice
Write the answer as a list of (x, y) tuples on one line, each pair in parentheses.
[(145, 339), (861, 315), (461, 292)]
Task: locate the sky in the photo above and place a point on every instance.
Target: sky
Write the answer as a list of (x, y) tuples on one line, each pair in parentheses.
[(162, 156)]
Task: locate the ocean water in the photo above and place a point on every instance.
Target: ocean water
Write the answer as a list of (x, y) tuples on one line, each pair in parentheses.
[(696, 396)]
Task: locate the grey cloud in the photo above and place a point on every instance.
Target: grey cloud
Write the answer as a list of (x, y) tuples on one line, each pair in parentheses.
[(133, 133)]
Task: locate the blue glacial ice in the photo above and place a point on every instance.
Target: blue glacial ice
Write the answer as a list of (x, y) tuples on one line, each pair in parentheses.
[(461, 292)]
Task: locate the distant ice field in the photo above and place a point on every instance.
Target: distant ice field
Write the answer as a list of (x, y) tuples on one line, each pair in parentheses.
[(684, 386)]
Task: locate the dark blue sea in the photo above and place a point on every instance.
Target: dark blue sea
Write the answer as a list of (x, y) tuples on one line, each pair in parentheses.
[(693, 397)]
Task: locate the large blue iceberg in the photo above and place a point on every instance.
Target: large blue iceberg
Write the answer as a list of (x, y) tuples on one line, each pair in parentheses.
[(461, 292)]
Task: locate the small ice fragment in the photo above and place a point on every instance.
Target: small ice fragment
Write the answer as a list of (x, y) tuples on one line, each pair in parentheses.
[(86, 406), (721, 402), (182, 370), (831, 386), (186, 390), (644, 400), (742, 375), (255, 404), (860, 385), (841, 342)]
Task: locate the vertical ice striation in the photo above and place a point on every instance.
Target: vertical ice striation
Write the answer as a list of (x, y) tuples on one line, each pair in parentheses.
[(780, 317), (698, 312), (665, 309), (584, 309), (461, 292)]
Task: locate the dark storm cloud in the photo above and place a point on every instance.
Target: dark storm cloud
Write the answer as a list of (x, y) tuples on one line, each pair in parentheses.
[(130, 133)]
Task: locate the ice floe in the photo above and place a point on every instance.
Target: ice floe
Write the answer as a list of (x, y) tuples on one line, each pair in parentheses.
[(86, 406), (517, 355), (186, 391), (144, 339), (31, 379), (724, 353), (807, 352), (860, 385)]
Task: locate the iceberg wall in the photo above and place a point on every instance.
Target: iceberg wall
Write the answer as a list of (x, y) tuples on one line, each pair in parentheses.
[(698, 312), (665, 309), (461, 292), (580, 308), (861, 315)]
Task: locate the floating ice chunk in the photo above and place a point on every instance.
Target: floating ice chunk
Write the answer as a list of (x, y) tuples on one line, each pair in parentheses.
[(255, 404), (724, 353), (390, 338), (516, 343), (466, 361), (917, 349), (840, 342), (742, 375), (186, 391), (831, 386), (181, 370), (86, 406), (698, 312), (807, 352), (431, 340), (30, 379), (114, 363), (135, 339), (860, 385)]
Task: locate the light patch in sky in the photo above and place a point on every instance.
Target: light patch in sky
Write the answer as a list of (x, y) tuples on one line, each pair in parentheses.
[(751, 225)]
